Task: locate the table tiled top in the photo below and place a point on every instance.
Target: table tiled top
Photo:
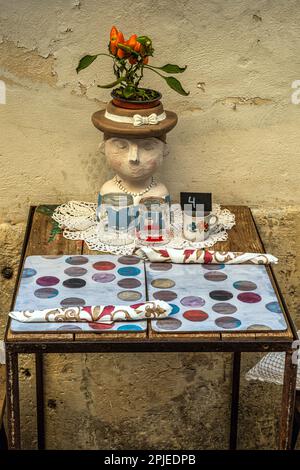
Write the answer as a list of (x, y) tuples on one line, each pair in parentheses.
[(242, 237)]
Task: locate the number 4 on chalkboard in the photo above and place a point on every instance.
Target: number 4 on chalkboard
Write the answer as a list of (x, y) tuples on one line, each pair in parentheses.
[(193, 199)]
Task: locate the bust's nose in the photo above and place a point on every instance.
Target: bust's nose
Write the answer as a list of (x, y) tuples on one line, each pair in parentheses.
[(133, 155)]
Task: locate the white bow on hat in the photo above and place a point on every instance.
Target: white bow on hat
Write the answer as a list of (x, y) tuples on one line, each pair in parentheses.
[(139, 120)]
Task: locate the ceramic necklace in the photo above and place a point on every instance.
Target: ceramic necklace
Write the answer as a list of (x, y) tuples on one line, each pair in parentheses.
[(124, 190)]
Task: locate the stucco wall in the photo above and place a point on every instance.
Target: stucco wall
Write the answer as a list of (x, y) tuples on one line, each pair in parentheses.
[(237, 136)]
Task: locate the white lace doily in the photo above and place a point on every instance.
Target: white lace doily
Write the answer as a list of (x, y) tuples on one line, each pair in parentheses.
[(78, 221)]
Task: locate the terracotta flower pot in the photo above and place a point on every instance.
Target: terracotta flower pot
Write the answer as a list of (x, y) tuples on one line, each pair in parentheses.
[(132, 104)]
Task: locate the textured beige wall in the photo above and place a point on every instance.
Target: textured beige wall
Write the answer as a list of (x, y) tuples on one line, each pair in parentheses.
[(237, 136)]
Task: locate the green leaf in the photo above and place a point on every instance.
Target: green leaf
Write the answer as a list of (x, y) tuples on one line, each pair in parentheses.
[(170, 68), (54, 231), (88, 60), (128, 91), (111, 85), (85, 62), (46, 209), (176, 85), (124, 48), (144, 40), (119, 91)]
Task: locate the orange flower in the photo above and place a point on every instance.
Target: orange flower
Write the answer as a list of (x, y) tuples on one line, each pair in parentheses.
[(137, 46), (116, 37), (132, 41), (113, 33), (113, 48), (120, 40), (121, 53), (120, 37), (113, 40)]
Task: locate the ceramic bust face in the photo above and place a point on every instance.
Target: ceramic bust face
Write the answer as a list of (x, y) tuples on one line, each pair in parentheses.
[(134, 161)]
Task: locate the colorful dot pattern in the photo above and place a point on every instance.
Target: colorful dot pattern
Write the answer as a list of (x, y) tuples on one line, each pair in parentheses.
[(202, 297), (80, 280), (215, 298)]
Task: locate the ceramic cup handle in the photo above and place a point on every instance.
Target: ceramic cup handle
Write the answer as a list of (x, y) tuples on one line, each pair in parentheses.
[(213, 220)]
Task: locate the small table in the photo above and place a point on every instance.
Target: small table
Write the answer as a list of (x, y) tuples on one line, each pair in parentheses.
[(243, 237)]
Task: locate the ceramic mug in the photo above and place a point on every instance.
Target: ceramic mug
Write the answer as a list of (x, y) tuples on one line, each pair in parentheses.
[(198, 227)]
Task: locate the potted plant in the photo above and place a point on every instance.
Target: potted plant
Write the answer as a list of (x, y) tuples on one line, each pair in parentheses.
[(130, 61)]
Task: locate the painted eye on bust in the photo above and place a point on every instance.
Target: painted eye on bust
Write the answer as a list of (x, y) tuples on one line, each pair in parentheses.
[(148, 146), (121, 144)]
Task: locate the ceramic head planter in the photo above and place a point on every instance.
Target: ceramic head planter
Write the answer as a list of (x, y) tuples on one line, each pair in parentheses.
[(134, 146), (134, 123)]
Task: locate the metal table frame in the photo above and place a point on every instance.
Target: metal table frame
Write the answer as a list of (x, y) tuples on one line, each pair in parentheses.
[(154, 345)]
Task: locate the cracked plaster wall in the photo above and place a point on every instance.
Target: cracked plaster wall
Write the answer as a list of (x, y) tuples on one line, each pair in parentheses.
[(237, 136)]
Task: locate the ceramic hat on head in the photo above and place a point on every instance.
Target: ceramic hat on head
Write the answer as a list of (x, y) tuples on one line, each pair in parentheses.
[(137, 123)]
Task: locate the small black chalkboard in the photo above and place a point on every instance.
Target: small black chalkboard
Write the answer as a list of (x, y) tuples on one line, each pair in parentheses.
[(196, 198)]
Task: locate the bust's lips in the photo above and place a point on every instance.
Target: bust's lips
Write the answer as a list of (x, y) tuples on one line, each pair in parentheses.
[(138, 172)]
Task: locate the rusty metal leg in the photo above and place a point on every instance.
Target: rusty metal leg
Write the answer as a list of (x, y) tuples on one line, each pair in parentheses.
[(40, 409), (235, 400), (12, 400), (295, 433), (3, 438), (288, 402), (296, 425)]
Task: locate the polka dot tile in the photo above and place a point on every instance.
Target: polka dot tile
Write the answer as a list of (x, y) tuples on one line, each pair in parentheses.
[(165, 295), (228, 323), (77, 260), (75, 271), (163, 283), (129, 271), (249, 297), (28, 272), (129, 295), (46, 293), (274, 307), (244, 285), (103, 277), (215, 276), (258, 327), (74, 283), (224, 308), (47, 281), (104, 265), (129, 260), (70, 327), (192, 301), (169, 324), (213, 267), (175, 309), (220, 295), (161, 266), (100, 326), (129, 328), (195, 315), (72, 302), (129, 283)]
